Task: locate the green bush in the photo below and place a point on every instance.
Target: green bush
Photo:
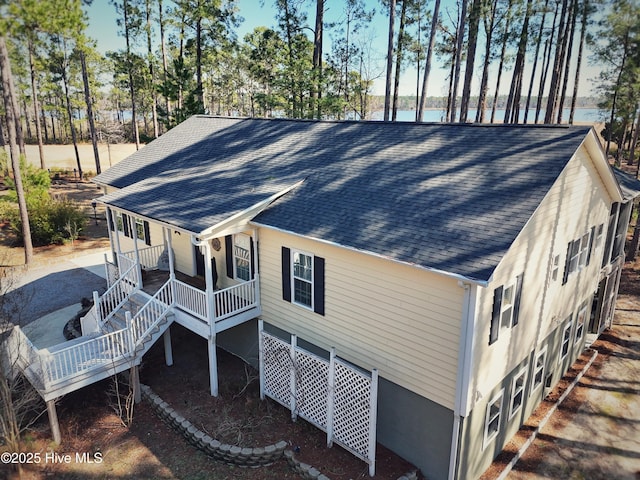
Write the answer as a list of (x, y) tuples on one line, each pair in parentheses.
[(50, 221)]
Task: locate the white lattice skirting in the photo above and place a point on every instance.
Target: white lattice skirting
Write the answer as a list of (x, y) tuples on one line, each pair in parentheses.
[(332, 395)]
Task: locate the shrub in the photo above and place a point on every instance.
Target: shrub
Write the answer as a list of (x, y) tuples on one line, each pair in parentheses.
[(35, 181), (51, 221)]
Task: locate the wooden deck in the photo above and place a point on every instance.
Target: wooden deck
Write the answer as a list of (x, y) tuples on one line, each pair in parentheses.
[(152, 280)]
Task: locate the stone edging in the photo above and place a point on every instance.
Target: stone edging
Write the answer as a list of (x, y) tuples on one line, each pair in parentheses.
[(233, 454)]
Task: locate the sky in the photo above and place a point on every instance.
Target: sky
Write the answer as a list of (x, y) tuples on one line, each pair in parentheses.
[(103, 28)]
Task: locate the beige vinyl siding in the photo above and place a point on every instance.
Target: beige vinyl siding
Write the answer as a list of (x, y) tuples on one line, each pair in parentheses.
[(576, 202), (378, 314)]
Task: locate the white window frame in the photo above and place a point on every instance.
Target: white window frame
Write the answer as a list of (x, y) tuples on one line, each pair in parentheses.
[(555, 268), (490, 417), (578, 253), (516, 389), (237, 258), (542, 354), (294, 277), (566, 339), (139, 226), (507, 305), (579, 333)]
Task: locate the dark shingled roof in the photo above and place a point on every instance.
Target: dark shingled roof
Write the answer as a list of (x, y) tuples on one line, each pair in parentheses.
[(442, 196)]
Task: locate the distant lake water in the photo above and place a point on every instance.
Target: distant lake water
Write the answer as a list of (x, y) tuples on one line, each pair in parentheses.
[(591, 115)]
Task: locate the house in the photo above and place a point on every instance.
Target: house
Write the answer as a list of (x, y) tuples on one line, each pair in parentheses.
[(468, 264)]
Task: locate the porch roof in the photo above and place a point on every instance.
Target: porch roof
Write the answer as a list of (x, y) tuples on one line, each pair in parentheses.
[(448, 197)]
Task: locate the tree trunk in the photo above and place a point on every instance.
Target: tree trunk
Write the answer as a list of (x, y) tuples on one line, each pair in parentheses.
[(427, 66), (474, 23), (459, 43), (635, 240), (503, 52), (634, 140), (615, 91), (199, 88), (512, 110), (164, 56), (8, 95), (557, 67), (36, 105), (387, 91), (132, 92), (399, 53), (548, 46), (489, 26), (535, 61), (567, 63), (316, 94), (87, 100), (154, 103), (72, 127), (576, 82)]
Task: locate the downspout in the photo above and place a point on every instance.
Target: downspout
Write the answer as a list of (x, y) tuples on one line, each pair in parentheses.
[(465, 362)]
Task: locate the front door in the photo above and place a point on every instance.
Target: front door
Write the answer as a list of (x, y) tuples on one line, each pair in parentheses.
[(200, 270)]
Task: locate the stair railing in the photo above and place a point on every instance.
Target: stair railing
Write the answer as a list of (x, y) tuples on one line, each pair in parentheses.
[(116, 295), (151, 313)]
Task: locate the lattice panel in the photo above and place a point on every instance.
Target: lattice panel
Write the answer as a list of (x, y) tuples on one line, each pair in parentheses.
[(352, 410), (277, 369), (312, 377)]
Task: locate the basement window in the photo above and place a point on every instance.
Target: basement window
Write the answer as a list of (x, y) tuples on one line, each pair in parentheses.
[(492, 418)]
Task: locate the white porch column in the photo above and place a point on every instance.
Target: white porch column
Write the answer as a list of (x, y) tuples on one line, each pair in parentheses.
[(172, 273), (53, 421), (168, 352), (116, 234), (134, 233), (205, 248)]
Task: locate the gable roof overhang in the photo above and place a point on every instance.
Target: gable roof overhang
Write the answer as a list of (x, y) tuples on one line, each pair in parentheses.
[(604, 169), (229, 221)]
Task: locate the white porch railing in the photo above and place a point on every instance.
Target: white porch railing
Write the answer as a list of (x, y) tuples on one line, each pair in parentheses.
[(236, 299), (22, 353), (116, 295), (151, 313), (190, 299), (148, 256), (85, 356)]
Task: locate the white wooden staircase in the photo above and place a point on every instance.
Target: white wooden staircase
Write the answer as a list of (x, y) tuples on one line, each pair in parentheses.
[(117, 344)]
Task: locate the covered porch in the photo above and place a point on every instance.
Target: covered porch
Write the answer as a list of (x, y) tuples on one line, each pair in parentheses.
[(180, 268)]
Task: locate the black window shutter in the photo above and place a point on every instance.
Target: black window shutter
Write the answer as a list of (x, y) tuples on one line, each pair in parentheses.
[(495, 314), (318, 285), (253, 264), (125, 225), (593, 234), (516, 301), (286, 274), (110, 220), (147, 233), (566, 264), (228, 248)]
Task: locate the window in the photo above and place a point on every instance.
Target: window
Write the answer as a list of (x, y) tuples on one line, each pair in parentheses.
[(580, 319), (139, 229), (578, 254), (492, 418), (556, 267), (119, 222), (517, 392), (242, 257), (538, 369), (599, 235), (303, 279), (566, 340), (506, 308)]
